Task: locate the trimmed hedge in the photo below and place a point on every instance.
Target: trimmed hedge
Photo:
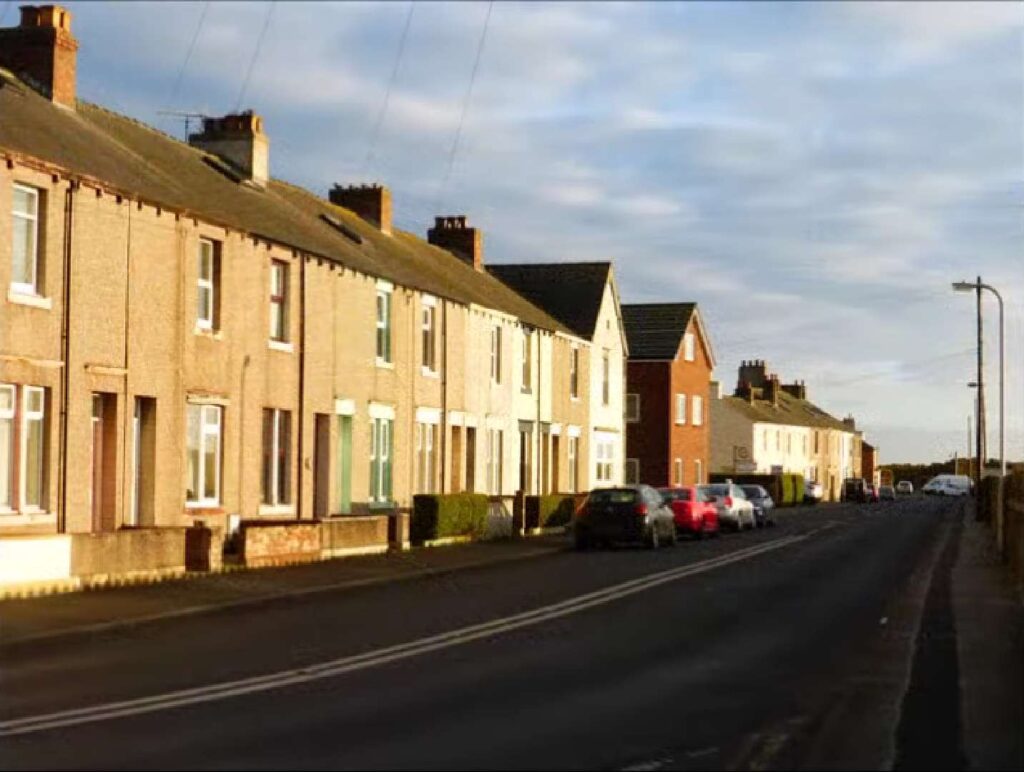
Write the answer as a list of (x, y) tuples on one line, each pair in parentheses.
[(436, 516), (549, 511)]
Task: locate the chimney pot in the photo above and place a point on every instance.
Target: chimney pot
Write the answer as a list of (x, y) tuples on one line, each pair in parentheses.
[(42, 51), (453, 234), (371, 202), (238, 139)]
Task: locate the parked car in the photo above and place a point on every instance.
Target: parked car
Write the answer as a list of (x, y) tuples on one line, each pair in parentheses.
[(887, 493), (631, 513), (694, 514), (763, 504), (734, 510), (904, 487), (949, 485), (873, 497), (813, 492), (855, 489)]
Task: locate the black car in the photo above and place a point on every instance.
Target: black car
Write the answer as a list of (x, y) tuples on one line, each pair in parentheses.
[(764, 505), (631, 513), (856, 489)]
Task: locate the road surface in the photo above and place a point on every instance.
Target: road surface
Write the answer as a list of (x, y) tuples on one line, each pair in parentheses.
[(791, 646)]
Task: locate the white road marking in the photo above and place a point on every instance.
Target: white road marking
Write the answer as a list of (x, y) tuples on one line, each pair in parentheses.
[(337, 667)]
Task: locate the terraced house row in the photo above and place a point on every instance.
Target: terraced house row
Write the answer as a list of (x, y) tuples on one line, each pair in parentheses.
[(185, 339)]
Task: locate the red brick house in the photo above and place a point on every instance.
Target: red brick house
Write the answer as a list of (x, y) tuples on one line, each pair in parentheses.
[(668, 383)]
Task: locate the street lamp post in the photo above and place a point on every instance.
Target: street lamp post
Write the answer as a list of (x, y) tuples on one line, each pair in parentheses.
[(978, 286)]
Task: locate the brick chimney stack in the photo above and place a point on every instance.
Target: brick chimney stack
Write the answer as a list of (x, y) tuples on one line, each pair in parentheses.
[(796, 389), (42, 51), (371, 202), (237, 139), (754, 372), (850, 423), (453, 234), (772, 389)]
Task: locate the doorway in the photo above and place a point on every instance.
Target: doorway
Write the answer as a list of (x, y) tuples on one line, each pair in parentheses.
[(104, 462)]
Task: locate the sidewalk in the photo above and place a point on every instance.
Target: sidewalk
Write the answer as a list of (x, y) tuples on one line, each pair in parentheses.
[(23, 621), (989, 619)]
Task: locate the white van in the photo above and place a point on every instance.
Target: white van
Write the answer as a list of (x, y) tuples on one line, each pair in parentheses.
[(949, 485)]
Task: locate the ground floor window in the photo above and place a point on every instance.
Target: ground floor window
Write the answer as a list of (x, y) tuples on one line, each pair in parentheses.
[(495, 457), (632, 471), (698, 472), (604, 455), (204, 442), (22, 448), (277, 467), (426, 458), (573, 459), (677, 472), (381, 433)]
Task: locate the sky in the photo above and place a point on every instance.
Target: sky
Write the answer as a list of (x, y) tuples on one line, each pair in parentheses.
[(813, 175)]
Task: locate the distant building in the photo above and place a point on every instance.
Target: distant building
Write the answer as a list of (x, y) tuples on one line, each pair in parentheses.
[(668, 385), (767, 427)]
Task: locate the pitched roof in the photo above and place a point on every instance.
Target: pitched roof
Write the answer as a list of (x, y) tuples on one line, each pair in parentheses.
[(570, 292), (139, 161), (655, 330), (791, 411)]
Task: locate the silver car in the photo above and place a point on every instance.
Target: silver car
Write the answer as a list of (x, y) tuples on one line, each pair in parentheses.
[(734, 509)]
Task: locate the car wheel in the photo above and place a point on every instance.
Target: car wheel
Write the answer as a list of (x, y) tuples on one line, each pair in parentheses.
[(582, 542)]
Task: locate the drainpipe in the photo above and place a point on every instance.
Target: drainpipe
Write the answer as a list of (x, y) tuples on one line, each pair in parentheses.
[(65, 342), (302, 386)]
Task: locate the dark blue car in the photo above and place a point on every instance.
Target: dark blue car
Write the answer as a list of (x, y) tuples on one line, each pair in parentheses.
[(764, 506)]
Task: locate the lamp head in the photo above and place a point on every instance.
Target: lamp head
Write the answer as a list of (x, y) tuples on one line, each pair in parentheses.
[(964, 286)]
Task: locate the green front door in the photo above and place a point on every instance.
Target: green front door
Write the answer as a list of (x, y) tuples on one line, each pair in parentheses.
[(344, 464)]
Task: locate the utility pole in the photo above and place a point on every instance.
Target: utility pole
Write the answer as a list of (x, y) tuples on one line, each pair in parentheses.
[(967, 457), (980, 428)]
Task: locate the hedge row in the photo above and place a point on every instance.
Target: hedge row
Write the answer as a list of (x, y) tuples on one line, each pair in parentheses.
[(549, 511), (436, 516)]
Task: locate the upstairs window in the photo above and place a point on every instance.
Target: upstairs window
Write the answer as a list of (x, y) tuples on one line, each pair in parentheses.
[(697, 418), (680, 408), (279, 300), (689, 353), (207, 284), (632, 408), (606, 377), (428, 327), (383, 326), (25, 273), (496, 354), (527, 384), (574, 373)]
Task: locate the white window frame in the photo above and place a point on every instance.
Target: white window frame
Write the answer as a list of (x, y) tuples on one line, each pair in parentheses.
[(527, 353), (428, 336), (273, 497), (698, 468), (632, 471), (426, 457), (677, 472), (697, 410), (207, 283), (604, 458), (8, 415), (574, 372), (689, 347), (573, 462), (495, 456), (28, 288), (213, 430), (680, 409), (383, 326), (496, 353), (27, 415), (381, 445), (279, 298), (606, 377), (632, 408)]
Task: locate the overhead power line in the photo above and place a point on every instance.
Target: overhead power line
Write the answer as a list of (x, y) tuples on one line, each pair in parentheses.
[(171, 103), (465, 107), (255, 55), (387, 93)]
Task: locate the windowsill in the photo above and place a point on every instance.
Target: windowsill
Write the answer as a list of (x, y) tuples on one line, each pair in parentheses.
[(680, 423), (378, 505), (276, 509), (632, 420), (574, 399), (208, 332), (28, 299), (12, 517), (384, 365), (204, 507), (526, 391), (426, 372), (285, 346)]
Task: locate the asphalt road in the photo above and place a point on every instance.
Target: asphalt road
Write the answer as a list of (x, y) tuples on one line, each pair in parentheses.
[(786, 647)]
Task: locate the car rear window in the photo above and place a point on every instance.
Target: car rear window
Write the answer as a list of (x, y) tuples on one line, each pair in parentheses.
[(614, 496), (676, 494), (716, 490), (753, 490)]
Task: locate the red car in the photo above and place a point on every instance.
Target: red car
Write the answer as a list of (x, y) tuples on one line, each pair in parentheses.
[(693, 512)]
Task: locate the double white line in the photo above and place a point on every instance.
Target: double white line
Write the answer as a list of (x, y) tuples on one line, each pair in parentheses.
[(337, 667)]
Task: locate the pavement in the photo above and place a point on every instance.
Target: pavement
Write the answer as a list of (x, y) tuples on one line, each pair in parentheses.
[(832, 641)]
